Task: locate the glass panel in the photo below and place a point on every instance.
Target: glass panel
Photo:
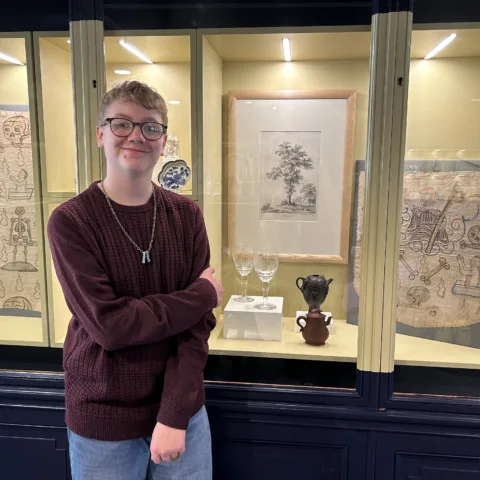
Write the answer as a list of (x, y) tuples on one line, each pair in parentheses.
[(59, 312), (58, 153), (169, 73), (287, 179), (21, 278), (438, 313)]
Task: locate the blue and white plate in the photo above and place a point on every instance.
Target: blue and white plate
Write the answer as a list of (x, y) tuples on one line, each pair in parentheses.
[(174, 175)]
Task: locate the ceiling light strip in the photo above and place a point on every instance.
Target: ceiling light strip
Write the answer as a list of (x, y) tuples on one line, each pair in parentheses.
[(134, 50), (287, 51), (10, 59), (441, 46)]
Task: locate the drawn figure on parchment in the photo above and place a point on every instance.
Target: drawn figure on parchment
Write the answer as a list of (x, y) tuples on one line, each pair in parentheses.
[(439, 223), (429, 230), (20, 236), (36, 294), (20, 159), (20, 181), (471, 273), (3, 190), (473, 237), (21, 190), (16, 130), (417, 295), (423, 265), (18, 302), (471, 286), (441, 289), (4, 169), (19, 287), (423, 223), (4, 218)]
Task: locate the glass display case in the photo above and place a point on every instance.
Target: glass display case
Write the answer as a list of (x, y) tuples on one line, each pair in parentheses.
[(163, 61), (438, 311), (54, 88), (37, 158), (336, 161), (23, 312), (284, 125), (272, 127)]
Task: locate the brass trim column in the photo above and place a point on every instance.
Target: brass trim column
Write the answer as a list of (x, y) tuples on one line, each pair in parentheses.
[(389, 74), (88, 69)]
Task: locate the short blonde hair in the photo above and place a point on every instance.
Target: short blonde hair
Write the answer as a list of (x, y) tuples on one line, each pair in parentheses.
[(136, 92)]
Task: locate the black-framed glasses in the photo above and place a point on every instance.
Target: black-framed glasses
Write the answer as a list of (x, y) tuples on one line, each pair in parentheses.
[(122, 127)]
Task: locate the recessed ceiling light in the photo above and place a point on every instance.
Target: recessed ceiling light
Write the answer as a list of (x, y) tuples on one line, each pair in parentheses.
[(68, 41), (441, 46), (10, 59), (122, 72), (174, 102), (248, 101), (134, 50), (287, 51)]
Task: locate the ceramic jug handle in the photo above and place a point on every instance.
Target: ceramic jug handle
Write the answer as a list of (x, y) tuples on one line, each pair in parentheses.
[(299, 324), (329, 319), (303, 281)]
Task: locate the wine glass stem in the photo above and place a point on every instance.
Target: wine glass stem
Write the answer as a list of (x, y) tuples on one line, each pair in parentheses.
[(265, 286), (244, 281)]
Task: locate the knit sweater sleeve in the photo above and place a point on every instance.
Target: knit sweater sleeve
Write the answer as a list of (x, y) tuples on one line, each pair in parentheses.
[(118, 322), (185, 365)]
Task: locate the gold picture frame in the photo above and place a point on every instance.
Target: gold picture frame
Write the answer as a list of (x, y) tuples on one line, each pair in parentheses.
[(340, 256)]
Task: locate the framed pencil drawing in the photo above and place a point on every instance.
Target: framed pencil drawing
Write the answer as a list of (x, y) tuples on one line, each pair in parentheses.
[(290, 172)]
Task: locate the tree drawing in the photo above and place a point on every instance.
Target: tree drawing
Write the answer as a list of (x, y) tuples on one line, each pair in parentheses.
[(291, 162), (309, 193)]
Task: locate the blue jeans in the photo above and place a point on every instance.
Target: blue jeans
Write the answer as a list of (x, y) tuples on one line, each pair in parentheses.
[(130, 459)]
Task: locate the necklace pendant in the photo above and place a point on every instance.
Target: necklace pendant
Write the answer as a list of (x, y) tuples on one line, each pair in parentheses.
[(146, 257)]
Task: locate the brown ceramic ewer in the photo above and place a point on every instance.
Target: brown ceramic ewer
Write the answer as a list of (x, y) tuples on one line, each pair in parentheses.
[(315, 331)]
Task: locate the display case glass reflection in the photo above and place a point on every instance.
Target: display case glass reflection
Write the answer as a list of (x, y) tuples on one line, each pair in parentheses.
[(21, 313), (255, 148), (56, 115), (438, 299), (164, 63)]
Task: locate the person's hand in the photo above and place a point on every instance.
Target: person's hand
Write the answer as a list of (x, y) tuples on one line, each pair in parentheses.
[(208, 274), (166, 442)]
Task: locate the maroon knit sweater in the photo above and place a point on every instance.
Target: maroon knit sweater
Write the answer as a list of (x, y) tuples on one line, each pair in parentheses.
[(136, 345)]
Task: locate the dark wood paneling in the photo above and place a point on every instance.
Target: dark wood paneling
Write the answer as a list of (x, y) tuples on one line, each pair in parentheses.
[(29, 452), (428, 456)]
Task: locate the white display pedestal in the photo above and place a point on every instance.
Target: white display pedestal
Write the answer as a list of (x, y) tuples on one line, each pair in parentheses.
[(330, 327), (244, 321)]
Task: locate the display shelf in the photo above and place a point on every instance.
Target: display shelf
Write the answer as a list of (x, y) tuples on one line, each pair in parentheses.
[(21, 330), (342, 347), (416, 351)]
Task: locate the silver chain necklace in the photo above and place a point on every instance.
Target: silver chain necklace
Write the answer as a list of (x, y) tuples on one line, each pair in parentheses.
[(145, 253)]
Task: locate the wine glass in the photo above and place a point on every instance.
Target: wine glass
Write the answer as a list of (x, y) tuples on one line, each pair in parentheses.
[(266, 264), (243, 261)]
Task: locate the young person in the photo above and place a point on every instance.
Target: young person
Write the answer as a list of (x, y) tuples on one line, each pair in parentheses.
[(133, 263)]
